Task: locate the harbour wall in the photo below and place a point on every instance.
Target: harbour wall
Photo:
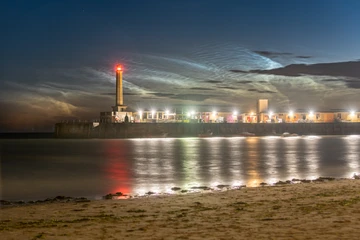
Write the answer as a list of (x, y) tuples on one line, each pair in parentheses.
[(144, 130)]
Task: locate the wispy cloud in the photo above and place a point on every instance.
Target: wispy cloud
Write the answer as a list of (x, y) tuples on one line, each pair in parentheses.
[(273, 54), (201, 88), (304, 57), (228, 87), (163, 94), (244, 82), (213, 81), (191, 97), (341, 69), (260, 91)]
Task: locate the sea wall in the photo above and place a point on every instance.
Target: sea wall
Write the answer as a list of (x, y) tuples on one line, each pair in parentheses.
[(142, 130)]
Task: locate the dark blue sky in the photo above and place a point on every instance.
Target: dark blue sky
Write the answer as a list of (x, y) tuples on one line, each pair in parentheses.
[(57, 57), (326, 27)]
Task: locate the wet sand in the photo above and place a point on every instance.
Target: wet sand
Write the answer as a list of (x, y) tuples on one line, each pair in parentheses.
[(316, 210)]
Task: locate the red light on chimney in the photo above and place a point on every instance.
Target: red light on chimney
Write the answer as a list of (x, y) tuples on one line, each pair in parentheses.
[(119, 68)]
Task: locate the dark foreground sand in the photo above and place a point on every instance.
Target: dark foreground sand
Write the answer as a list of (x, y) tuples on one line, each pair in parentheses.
[(325, 210)]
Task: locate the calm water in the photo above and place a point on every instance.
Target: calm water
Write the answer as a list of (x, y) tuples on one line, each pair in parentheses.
[(36, 169)]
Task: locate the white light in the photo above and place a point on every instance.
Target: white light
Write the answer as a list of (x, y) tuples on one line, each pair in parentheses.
[(312, 137), (352, 113), (141, 192), (235, 113), (236, 184), (214, 113), (311, 114), (192, 112), (353, 136), (291, 113), (271, 137), (272, 181), (167, 112), (312, 177), (140, 114), (214, 184)]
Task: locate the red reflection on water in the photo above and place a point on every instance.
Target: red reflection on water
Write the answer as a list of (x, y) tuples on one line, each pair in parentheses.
[(117, 168)]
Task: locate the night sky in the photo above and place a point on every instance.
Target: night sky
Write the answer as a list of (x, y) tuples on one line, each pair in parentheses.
[(58, 57)]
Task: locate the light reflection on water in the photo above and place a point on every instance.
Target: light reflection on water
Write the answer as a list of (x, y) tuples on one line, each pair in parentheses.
[(93, 168), (351, 155)]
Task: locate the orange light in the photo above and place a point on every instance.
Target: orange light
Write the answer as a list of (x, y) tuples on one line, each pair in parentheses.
[(119, 68)]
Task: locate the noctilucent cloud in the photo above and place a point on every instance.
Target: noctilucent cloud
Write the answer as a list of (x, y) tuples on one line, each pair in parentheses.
[(58, 57)]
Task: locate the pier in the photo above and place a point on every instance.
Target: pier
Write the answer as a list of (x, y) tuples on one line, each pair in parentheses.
[(155, 130)]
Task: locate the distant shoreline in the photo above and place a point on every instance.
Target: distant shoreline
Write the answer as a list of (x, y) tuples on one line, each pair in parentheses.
[(26, 135), (51, 135)]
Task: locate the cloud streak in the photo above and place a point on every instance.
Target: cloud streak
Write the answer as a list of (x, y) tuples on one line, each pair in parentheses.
[(340, 69)]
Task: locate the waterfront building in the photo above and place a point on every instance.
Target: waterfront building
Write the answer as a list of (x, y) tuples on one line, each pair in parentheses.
[(262, 109)]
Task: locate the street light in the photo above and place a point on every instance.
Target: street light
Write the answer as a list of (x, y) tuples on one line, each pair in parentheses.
[(270, 115), (140, 114), (352, 115)]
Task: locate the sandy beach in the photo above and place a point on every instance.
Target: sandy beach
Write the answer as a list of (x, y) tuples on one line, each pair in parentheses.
[(315, 210)]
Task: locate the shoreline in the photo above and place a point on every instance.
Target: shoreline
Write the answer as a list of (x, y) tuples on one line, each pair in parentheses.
[(326, 209), (174, 191), (51, 135), (316, 210)]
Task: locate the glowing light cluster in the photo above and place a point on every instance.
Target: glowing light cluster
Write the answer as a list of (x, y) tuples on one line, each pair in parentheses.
[(119, 68)]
